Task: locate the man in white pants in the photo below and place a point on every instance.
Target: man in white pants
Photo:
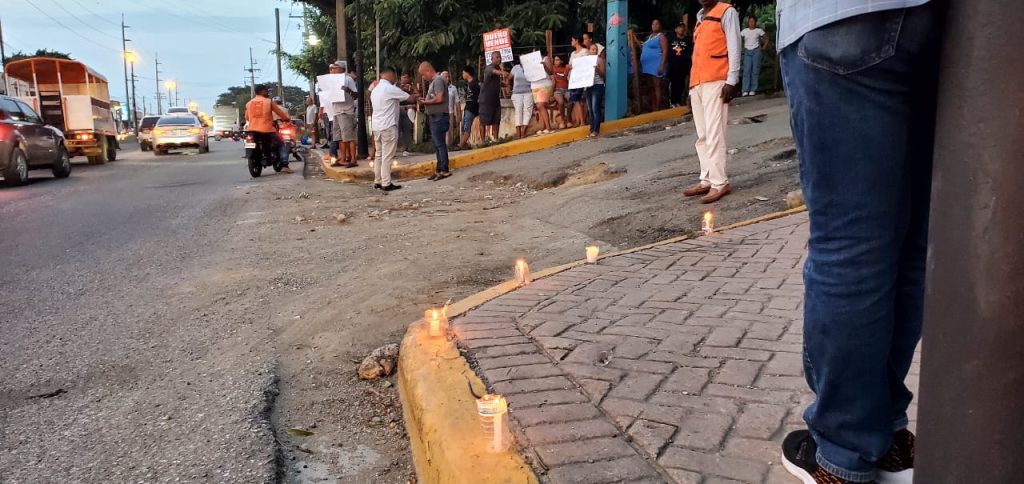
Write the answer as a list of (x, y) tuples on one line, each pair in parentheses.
[(385, 100), (713, 79)]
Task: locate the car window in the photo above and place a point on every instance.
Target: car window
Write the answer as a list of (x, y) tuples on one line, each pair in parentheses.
[(149, 122), (177, 121), (12, 109), (30, 115)]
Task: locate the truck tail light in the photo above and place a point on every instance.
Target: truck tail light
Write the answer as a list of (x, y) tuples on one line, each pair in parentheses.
[(83, 136), (195, 130), (158, 131)]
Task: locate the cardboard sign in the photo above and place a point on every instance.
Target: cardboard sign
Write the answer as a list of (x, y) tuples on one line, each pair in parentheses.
[(498, 41), (582, 74), (533, 66)]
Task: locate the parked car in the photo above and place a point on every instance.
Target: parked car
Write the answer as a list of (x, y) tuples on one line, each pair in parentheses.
[(178, 131), (26, 143), (146, 132)]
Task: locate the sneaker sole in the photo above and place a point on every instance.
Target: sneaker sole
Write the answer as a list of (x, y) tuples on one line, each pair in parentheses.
[(902, 477), (797, 471)]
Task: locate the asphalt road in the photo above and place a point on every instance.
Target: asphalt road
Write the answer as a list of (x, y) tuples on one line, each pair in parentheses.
[(131, 339)]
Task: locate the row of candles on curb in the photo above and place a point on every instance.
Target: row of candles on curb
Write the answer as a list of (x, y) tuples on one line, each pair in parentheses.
[(334, 160), (493, 409)]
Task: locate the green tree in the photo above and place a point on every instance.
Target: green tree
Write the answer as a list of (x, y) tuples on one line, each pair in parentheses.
[(39, 53)]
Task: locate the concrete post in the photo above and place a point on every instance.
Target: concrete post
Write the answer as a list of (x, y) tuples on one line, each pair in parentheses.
[(972, 379), (617, 48)]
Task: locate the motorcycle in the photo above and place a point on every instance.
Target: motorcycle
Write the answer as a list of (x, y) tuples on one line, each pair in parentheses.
[(287, 134), (258, 159)]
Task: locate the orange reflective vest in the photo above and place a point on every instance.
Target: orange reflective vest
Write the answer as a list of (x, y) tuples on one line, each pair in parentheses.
[(710, 49)]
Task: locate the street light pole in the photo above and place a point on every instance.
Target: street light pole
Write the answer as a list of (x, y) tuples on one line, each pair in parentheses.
[(280, 78), (124, 55), (361, 147), (972, 366), (135, 115)]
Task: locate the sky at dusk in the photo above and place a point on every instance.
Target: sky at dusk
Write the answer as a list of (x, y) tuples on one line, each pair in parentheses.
[(203, 45)]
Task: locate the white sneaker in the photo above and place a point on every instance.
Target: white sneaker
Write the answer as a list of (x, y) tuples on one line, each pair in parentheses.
[(405, 153)]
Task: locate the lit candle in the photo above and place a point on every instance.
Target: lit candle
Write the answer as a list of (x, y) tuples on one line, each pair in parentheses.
[(394, 164), (522, 272), (493, 411), (436, 321), (708, 225), (371, 164), (592, 252)]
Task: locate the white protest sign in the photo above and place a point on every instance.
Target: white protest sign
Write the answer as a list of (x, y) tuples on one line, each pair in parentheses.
[(582, 74), (329, 87), (533, 66)]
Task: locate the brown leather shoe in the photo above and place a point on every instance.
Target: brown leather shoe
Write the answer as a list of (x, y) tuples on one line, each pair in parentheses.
[(715, 194), (698, 189)]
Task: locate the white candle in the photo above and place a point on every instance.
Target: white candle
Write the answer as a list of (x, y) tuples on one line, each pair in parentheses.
[(436, 322), (493, 411), (592, 252), (522, 272), (708, 225)]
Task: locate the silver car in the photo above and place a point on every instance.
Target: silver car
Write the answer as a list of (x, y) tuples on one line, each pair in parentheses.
[(177, 131)]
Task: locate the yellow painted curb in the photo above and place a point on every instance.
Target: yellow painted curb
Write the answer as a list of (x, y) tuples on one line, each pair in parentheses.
[(447, 437), (512, 148), (445, 433)]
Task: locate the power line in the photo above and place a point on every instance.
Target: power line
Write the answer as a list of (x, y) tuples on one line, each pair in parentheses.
[(101, 17), (83, 22), (58, 22)]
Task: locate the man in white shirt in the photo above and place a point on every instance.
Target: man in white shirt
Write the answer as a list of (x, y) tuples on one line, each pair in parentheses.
[(385, 100), (714, 76), (754, 39)]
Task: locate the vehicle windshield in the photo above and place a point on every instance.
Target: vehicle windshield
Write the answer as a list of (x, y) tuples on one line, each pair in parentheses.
[(177, 121), (148, 122)]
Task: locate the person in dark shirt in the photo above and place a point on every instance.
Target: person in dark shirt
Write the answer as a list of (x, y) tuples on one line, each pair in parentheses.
[(472, 106), (490, 95), (680, 55)]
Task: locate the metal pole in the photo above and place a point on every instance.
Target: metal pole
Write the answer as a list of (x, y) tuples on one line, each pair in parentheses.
[(280, 80), (361, 147), (252, 74), (159, 95), (312, 75), (972, 378), (339, 18), (124, 61), (135, 107)]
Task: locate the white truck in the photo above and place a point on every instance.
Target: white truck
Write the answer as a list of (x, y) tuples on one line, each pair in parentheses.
[(225, 122), (71, 97)]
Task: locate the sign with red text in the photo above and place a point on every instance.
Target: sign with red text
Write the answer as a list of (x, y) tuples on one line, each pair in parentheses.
[(498, 41)]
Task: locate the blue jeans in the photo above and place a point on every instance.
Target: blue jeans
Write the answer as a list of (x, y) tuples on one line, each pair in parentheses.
[(862, 95), (595, 99), (751, 69), (439, 133), (467, 121)]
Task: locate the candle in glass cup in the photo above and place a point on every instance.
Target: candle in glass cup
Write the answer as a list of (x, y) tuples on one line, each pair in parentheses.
[(708, 224), (436, 322), (592, 252), (493, 411), (522, 272)]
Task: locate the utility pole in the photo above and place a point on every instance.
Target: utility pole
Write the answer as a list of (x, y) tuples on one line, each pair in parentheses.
[(159, 94), (339, 16), (972, 363), (252, 73), (135, 107), (3, 59), (280, 80), (124, 61), (361, 147)]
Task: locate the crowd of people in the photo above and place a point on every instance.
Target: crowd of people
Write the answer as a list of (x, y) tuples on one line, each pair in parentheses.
[(700, 70)]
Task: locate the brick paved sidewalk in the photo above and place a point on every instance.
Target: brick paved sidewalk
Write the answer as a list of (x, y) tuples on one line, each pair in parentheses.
[(680, 363)]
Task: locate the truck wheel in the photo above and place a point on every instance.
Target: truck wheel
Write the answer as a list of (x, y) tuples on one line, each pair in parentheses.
[(16, 172), (62, 165), (111, 149), (102, 157)]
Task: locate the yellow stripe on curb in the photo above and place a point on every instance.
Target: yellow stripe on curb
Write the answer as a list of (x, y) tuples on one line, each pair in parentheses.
[(447, 437), (512, 148), (445, 433)]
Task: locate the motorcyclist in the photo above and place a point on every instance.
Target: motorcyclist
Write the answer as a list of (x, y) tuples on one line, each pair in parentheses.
[(260, 113)]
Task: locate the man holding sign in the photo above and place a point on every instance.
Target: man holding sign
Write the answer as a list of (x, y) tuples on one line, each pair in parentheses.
[(338, 94)]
